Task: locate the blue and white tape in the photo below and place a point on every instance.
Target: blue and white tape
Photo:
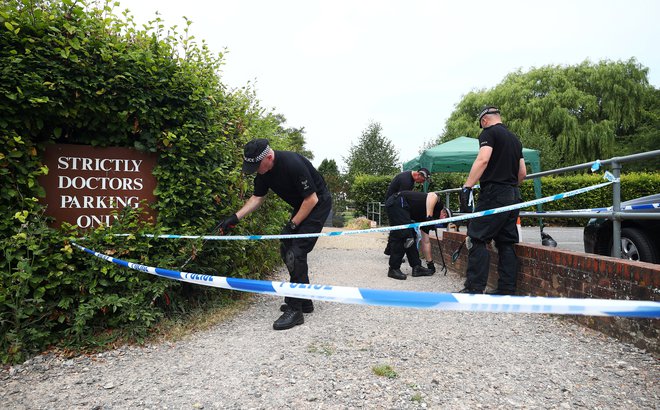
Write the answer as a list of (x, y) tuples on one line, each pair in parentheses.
[(386, 228), (409, 299)]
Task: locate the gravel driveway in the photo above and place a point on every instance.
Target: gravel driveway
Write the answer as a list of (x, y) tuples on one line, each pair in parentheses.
[(455, 360)]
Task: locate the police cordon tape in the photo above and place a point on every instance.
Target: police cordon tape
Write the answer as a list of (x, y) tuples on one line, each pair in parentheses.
[(386, 228), (408, 299)]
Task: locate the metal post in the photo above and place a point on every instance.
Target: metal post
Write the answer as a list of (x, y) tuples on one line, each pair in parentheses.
[(616, 205), (372, 212), (380, 211)]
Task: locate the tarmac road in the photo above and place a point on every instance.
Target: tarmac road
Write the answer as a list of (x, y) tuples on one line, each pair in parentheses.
[(567, 238)]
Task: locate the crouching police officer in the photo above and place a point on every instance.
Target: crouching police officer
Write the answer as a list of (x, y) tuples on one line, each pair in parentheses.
[(403, 208), (294, 179)]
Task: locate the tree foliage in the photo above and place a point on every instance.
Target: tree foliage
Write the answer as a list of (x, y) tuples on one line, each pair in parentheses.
[(373, 155), (336, 182), (273, 126), (571, 114)]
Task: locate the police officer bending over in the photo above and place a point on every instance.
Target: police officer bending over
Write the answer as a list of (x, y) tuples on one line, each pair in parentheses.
[(403, 208), (500, 168), (405, 181), (294, 179)]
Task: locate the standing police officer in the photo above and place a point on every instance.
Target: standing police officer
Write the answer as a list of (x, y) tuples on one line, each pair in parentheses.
[(499, 168), (294, 179)]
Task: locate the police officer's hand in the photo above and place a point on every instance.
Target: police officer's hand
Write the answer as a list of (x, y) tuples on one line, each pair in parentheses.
[(464, 200), (228, 224), (290, 228)]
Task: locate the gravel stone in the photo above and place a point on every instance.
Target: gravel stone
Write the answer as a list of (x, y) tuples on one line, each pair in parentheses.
[(442, 359)]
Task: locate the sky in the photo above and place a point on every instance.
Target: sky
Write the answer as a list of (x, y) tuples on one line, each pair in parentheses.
[(335, 66)]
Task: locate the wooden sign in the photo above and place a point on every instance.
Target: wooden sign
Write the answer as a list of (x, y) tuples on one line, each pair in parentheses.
[(85, 184)]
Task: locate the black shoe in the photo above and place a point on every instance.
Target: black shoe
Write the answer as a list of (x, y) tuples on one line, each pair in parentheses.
[(501, 292), (396, 274), (431, 266), (471, 291), (289, 319), (419, 270), (305, 308)]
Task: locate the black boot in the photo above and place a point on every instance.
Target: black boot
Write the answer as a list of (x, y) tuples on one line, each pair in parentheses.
[(471, 291), (501, 292), (431, 266), (289, 319), (305, 308), (419, 270), (396, 274)]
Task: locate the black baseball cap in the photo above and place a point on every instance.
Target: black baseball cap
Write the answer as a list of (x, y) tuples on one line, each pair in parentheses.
[(425, 173), (487, 109), (253, 153)]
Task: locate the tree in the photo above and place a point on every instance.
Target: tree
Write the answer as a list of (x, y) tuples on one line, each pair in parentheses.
[(328, 167), (571, 114), (373, 155), (294, 137), (271, 126), (335, 181)]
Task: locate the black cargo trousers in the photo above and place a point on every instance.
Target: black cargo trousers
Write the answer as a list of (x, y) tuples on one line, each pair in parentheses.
[(398, 212), (501, 228), (294, 251)]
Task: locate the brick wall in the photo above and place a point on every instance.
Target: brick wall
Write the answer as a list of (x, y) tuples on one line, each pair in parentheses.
[(546, 271)]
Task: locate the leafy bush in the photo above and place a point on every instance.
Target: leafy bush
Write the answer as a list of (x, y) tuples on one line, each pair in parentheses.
[(368, 188), (633, 185), (73, 73)]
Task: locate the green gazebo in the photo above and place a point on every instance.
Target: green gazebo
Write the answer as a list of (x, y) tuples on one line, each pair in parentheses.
[(458, 155)]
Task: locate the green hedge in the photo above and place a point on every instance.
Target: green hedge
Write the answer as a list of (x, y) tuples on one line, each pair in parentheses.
[(633, 185), (75, 74)]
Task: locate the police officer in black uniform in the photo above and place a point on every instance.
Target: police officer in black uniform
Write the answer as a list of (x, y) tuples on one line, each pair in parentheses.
[(404, 181), (294, 179), (499, 168), (403, 208)]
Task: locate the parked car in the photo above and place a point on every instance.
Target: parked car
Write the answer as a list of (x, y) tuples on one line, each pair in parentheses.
[(640, 238)]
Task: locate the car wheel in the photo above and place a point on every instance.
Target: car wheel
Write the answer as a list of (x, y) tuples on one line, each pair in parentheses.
[(637, 246)]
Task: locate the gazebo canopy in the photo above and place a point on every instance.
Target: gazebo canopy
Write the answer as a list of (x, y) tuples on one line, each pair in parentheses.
[(458, 155)]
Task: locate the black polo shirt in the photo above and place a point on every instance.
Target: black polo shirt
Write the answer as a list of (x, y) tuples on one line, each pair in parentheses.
[(504, 162), (417, 205), (402, 182), (293, 178)]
